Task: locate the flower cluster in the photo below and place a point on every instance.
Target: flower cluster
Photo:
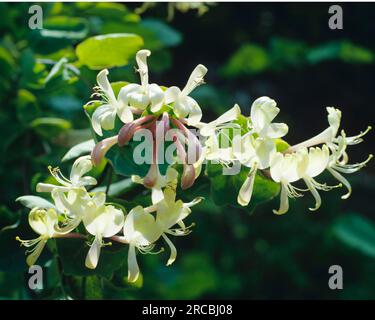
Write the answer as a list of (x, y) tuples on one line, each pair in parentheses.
[(253, 142), (257, 149)]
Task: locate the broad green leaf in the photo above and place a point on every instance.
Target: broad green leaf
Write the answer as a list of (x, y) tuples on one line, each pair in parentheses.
[(356, 231), (117, 188), (80, 149), (35, 201), (340, 50), (247, 60), (110, 50), (50, 127), (225, 188), (168, 36), (58, 32), (73, 254)]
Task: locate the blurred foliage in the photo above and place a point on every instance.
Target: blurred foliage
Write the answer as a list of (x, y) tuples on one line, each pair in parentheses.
[(283, 54), (47, 76)]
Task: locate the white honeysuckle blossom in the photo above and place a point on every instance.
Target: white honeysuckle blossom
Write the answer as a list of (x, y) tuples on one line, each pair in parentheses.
[(77, 179), (101, 221), (170, 212), (105, 115), (285, 170), (183, 105), (74, 204), (160, 182), (256, 148), (145, 94), (313, 162), (140, 232), (45, 223), (256, 154)]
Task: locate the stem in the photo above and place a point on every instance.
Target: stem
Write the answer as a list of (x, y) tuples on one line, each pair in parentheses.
[(119, 239), (72, 235), (109, 180)]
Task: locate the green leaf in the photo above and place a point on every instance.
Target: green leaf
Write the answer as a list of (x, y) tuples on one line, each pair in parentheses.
[(50, 127), (117, 188), (225, 188), (35, 201), (80, 149), (248, 60), (356, 231), (167, 35), (73, 254), (58, 32), (340, 50), (93, 288), (110, 50), (27, 108)]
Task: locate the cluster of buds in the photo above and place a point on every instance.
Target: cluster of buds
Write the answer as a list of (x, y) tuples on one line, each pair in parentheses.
[(164, 114)]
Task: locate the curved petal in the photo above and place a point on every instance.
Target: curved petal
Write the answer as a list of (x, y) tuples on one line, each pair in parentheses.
[(34, 255), (246, 191), (106, 86), (195, 79), (133, 269), (173, 255), (103, 115), (171, 95), (141, 58), (284, 201), (93, 255)]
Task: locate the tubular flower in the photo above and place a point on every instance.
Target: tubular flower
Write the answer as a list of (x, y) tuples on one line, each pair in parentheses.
[(314, 161), (44, 223), (170, 212), (105, 115), (285, 170), (145, 94), (77, 179), (256, 148), (140, 231), (100, 221), (183, 105)]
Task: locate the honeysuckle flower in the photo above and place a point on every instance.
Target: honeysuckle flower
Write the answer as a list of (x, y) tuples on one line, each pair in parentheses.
[(183, 105), (140, 231), (160, 182), (45, 223), (169, 213), (104, 116), (338, 162), (74, 204), (255, 153), (209, 129), (76, 180), (145, 94), (285, 170), (101, 221), (313, 162), (263, 111)]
